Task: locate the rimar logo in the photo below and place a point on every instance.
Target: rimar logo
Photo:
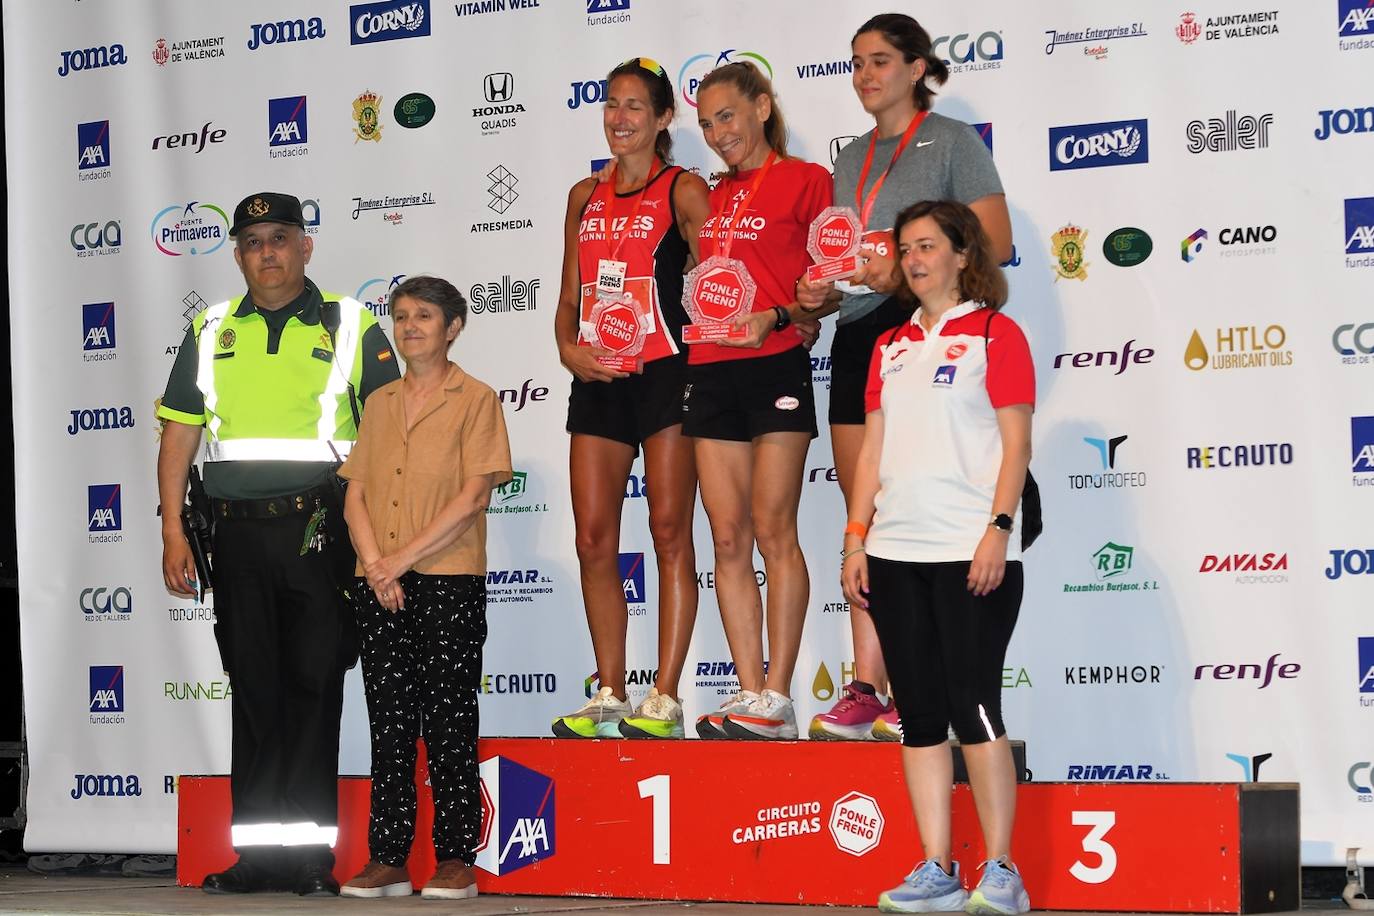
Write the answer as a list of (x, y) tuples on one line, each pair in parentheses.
[(518, 824), (698, 65)]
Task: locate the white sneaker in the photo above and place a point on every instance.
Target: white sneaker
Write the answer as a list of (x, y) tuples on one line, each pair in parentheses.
[(712, 725), (659, 716), (770, 717), (599, 718)]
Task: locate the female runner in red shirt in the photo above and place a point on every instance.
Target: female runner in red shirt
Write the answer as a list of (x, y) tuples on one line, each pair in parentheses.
[(628, 240), (749, 404)]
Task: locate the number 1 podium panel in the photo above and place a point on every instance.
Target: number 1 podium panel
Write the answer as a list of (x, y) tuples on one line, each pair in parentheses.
[(815, 823)]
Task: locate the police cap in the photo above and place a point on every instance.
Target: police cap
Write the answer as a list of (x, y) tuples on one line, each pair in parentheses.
[(267, 207)]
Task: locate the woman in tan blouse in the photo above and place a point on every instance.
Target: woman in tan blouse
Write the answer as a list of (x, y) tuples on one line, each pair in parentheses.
[(431, 447)]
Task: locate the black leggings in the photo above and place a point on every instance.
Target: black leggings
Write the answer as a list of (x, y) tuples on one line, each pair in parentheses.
[(421, 668), (944, 647)]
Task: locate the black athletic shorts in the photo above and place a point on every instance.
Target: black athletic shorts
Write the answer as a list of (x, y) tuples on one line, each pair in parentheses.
[(851, 351), (630, 409), (738, 399)]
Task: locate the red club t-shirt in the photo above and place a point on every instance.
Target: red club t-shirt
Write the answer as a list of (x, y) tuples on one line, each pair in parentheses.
[(770, 238), (939, 394)]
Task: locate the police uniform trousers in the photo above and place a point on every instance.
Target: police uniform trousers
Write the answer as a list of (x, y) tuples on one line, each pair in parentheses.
[(288, 638), (421, 669)]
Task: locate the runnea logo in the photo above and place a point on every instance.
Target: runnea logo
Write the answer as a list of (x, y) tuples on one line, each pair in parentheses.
[(517, 816)]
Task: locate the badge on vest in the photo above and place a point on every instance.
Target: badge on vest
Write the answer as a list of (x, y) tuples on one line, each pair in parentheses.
[(322, 354), (944, 377)]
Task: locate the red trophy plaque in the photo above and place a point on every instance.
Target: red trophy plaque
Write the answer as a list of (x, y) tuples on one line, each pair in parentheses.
[(618, 325), (834, 242), (715, 292)]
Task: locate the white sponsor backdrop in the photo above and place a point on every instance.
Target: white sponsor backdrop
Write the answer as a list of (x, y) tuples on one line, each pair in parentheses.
[(1172, 708)]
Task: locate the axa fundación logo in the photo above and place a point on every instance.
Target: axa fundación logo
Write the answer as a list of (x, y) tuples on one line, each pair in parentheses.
[(1362, 450), (518, 823), (1359, 232), (93, 150)]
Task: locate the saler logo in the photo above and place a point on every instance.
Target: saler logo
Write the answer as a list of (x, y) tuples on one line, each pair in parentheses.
[(100, 418)]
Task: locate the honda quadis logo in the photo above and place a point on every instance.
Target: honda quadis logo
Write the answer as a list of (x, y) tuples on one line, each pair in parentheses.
[(517, 816), (498, 87)]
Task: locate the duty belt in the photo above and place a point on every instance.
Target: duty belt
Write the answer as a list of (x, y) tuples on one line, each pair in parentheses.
[(274, 506)]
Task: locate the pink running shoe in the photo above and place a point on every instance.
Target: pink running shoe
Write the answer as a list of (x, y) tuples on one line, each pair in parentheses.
[(888, 726), (850, 719)]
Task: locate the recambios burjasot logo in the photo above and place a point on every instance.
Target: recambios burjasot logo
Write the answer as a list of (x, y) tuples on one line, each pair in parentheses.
[(388, 21), (517, 816), (1105, 143), (698, 65)]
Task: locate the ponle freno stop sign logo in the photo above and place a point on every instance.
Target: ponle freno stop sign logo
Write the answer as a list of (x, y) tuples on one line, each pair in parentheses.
[(856, 824)]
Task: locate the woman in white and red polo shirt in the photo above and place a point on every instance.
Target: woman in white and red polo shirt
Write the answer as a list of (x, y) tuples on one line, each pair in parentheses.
[(932, 547)]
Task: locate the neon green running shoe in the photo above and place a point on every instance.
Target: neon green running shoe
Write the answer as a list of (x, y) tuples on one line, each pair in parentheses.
[(659, 716), (599, 718)]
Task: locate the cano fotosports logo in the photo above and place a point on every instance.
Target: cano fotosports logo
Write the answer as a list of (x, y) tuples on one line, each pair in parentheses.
[(517, 816), (698, 65), (190, 228)]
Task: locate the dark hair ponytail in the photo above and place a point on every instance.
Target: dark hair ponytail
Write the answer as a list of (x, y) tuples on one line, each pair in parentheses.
[(906, 35), (661, 96)]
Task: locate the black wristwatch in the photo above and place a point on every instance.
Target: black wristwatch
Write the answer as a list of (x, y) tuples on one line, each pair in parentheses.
[(784, 318), (1002, 522)]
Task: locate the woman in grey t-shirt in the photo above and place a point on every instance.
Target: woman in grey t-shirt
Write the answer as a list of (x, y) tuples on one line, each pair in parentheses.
[(912, 154)]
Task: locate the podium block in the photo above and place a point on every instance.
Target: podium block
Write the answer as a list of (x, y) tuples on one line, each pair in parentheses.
[(811, 822)]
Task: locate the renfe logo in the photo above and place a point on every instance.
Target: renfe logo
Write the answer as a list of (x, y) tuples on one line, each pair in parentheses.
[(1286, 671), (1087, 146), (632, 577), (517, 816), (388, 21)]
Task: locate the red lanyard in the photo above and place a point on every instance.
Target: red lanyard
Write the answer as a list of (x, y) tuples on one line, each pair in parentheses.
[(616, 245), (741, 208), (866, 204)]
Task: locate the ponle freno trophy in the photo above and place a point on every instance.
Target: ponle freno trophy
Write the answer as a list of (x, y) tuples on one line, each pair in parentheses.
[(619, 325), (833, 242), (715, 293)]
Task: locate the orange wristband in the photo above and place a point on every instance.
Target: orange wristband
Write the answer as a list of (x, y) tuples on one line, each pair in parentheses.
[(858, 529)]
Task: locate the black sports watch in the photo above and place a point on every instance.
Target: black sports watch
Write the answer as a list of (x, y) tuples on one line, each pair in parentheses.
[(1002, 522), (784, 317)]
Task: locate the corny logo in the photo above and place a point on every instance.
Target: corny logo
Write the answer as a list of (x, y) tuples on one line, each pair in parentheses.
[(698, 65), (191, 228), (388, 21), (517, 816), (1087, 146)]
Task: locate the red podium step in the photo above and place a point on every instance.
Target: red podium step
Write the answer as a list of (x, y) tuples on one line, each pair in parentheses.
[(817, 823)]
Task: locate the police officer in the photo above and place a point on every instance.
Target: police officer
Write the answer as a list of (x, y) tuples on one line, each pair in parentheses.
[(276, 377)]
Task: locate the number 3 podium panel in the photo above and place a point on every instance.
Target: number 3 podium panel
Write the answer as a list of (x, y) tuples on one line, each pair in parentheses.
[(811, 823)]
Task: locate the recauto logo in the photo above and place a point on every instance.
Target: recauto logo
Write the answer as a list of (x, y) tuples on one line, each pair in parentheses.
[(1089, 146)]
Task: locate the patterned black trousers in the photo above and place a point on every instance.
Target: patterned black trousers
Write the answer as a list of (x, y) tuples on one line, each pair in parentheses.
[(421, 669)]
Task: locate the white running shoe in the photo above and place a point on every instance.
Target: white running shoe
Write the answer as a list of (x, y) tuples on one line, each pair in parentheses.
[(659, 716), (769, 717), (712, 725), (599, 718)]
